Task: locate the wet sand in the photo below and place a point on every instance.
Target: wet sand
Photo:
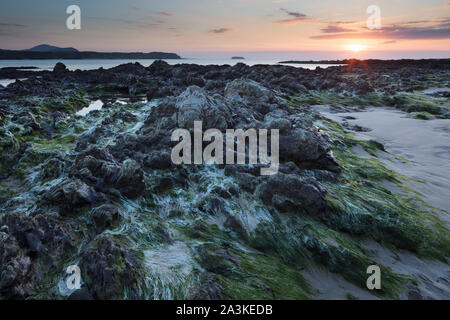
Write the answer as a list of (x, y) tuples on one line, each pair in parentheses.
[(426, 145)]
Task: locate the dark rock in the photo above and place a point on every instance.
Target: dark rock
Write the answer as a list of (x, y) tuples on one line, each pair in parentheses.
[(130, 179), (233, 224), (208, 288), (14, 267), (307, 148), (99, 168), (60, 69), (217, 260), (72, 194), (105, 217), (158, 160), (110, 270), (81, 294), (195, 104), (307, 191)]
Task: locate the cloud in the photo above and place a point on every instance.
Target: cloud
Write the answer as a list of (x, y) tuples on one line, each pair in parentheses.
[(294, 14), (2, 24), (294, 17), (393, 32), (164, 13), (336, 29), (220, 30), (390, 41), (438, 28)]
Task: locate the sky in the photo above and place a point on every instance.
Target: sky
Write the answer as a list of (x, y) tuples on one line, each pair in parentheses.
[(282, 29)]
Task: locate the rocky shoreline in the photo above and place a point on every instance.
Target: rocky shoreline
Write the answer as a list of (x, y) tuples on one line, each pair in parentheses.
[(100, 190)]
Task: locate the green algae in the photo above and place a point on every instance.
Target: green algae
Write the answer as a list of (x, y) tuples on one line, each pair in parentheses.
[(362, 205), (420, 102), (326, 97), (263, 277)]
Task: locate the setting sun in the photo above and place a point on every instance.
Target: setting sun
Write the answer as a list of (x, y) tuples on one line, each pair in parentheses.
[(355, 47)]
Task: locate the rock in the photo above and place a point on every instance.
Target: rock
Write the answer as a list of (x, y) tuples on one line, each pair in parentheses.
[(214, 205), (105, 217), (276, 120), (245, 180), (159, 67), (233, 224), (98, 168), (14, 267), (208, 288), (52, 169), (248, 90), (195, 104), (81, 294), (130, 69), (25, 229), (217, 260), (28, 119), (284, 204), (72, 194), (253, 95), (157, 91), (194, 81), (9, 152), (130, 180), (60, 69), (158, 160), (289, 191), (306, 148), (110, 270)]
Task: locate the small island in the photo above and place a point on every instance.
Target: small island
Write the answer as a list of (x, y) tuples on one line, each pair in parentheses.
[(237, 58)]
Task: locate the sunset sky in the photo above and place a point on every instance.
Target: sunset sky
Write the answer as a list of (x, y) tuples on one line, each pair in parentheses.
[(220, 28)]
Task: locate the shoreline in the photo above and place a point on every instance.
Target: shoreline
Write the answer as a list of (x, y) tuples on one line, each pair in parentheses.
[(86, 174)]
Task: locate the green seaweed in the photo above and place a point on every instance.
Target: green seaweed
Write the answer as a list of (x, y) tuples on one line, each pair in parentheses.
[(362, 205)]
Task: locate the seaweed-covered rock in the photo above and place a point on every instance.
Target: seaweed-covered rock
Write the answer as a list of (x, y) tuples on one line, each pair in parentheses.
[(105, 216), (14, 267), (99, 169), (207, 288), (72, 194), (110, 270)]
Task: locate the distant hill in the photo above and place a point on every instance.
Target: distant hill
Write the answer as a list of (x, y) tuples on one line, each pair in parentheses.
[(45, 51), (49, 48)]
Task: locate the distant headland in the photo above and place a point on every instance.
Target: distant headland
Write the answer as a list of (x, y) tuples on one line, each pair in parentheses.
[(45, 51)]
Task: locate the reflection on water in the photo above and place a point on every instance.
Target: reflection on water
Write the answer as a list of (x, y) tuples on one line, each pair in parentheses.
[(95, 105), (6, 82)]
